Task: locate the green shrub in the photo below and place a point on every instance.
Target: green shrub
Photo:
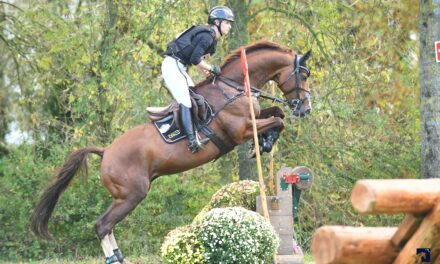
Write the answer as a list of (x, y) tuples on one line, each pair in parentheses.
[(236, 235), (241, 194), (182, 246)]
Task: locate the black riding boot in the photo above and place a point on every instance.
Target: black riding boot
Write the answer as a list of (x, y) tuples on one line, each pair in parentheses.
[(194, 143)]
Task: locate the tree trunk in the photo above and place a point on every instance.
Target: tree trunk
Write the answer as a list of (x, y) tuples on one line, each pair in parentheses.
[(239, 32), (108, 40), (4, 120), (247, 168), (429, 26), (116, 24)]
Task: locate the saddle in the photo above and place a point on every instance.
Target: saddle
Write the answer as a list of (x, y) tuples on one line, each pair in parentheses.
[(199, 109), (166, 119)]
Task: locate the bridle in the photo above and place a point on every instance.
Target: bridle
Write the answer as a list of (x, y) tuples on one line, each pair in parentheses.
[(296, 103)]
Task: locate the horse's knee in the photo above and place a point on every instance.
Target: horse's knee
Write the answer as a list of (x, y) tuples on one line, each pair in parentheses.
[(274, 111), (279, 123), (278, 112)]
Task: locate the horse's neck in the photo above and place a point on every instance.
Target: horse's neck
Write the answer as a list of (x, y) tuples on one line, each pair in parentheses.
[(263, 66)]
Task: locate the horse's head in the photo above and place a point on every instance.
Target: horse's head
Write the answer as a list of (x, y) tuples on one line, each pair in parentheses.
[(293, 82)]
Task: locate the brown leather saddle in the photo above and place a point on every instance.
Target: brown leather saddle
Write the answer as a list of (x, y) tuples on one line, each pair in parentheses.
[(166, 119)]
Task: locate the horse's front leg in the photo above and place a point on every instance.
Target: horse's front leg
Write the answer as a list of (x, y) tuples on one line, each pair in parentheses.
[(271, 111), (267, 139), (264, 125), (268, 131)]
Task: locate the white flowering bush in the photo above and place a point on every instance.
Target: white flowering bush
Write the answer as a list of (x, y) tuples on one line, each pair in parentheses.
[(236, 235), (181, 246), (241, 194)]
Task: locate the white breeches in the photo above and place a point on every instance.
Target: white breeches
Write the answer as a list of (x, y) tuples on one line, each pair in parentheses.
[(177, 80)]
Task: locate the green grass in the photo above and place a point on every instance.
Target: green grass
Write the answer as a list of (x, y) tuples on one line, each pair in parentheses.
[(149, 259)]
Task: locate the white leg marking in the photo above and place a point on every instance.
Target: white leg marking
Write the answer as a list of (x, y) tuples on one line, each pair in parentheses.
[(113, 240), (106, 246)]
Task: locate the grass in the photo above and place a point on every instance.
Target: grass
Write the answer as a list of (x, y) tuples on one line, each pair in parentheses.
[(149, 259)]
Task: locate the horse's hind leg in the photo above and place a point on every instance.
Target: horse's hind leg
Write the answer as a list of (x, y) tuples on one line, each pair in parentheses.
[(117, 211)]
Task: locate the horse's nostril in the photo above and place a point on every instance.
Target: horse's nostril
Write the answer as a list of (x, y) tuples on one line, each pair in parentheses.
[(308, 111)]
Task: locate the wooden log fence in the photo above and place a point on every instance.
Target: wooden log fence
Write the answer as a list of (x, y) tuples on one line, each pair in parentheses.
[(418, 199)]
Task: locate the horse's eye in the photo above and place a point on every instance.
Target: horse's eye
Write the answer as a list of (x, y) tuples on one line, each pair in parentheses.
[(303, 78)]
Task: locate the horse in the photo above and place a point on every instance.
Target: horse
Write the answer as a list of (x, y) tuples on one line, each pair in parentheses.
[(140, 155)]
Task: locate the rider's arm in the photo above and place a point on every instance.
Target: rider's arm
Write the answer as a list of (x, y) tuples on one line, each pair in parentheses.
[(204, 66), (202, 45)]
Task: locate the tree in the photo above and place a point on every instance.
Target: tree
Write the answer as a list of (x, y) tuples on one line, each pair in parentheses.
[(429, 26), (240, 36)]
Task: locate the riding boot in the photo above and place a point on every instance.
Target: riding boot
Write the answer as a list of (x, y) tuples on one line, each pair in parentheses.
[(194, 144)]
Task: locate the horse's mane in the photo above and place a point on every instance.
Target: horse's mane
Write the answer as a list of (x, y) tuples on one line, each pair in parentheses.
[(259, 45)]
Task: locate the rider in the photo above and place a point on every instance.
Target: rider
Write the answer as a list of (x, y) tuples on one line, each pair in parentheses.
[(190, 48)]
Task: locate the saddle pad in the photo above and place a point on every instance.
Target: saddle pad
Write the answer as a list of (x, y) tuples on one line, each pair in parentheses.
[(168, 129)]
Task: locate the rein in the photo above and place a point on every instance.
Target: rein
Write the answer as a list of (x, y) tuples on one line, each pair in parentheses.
[(256, 91)]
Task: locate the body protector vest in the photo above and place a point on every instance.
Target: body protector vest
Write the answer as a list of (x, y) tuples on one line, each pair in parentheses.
[(183, 41)]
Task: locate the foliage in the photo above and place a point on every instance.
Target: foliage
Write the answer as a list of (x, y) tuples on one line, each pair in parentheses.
[(236, 235), (241, 194), (25, 172), (182, 246), (78, 73)]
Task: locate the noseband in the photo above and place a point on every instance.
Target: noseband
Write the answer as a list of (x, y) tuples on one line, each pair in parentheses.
[(296, 104)]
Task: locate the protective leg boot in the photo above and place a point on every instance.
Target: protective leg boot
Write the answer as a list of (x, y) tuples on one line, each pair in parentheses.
[(194, 144)]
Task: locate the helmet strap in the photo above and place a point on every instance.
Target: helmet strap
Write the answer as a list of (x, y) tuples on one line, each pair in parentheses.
[(219, 27)]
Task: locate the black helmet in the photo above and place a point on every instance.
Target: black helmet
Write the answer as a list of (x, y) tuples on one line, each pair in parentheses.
[(220, 12)]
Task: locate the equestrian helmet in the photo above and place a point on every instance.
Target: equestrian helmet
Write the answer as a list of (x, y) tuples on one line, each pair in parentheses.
[(222, 13)]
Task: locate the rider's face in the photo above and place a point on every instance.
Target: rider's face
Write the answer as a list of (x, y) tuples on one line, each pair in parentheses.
[(225, 27)]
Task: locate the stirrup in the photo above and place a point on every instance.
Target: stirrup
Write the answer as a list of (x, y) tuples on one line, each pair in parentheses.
[(197, 144), (201, 142)]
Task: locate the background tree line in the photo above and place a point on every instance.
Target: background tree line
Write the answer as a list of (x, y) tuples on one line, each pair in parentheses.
[(76, 73)]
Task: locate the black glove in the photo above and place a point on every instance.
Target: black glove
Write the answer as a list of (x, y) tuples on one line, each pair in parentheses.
[(216, 70)]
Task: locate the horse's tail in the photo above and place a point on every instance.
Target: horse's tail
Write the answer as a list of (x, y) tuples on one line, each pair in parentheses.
[(75, 162)]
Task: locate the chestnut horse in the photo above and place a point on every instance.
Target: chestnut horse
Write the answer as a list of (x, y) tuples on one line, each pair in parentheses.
[(140, 155)]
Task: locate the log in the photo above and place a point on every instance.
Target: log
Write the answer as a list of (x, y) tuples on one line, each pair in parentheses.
[(360, 245), (426, 236), (412, 196), (406, 229)]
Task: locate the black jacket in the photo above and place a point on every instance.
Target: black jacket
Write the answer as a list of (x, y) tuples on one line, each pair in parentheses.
[(192, 44)]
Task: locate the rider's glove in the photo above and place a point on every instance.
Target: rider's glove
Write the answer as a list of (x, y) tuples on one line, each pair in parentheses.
[(216, 70)]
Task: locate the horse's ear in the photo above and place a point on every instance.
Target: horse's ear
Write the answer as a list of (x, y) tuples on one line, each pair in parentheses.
[(305, 57)]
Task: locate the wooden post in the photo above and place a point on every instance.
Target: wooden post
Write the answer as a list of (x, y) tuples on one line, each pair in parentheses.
[(271, 178), (406, 229), (413, 196), (357, 245), (254, 127), (426, 236)]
